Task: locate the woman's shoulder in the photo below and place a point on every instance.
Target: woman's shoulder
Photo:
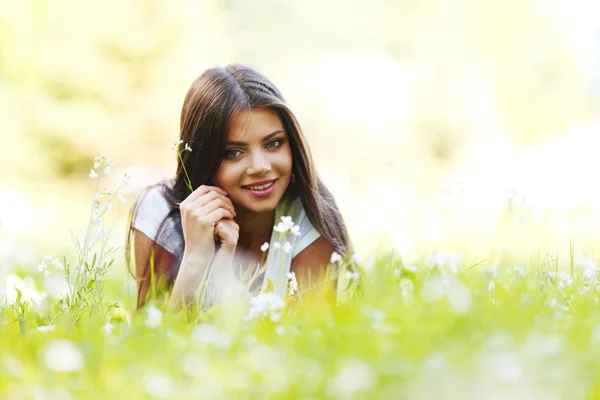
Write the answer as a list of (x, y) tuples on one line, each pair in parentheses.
[(152, 207)]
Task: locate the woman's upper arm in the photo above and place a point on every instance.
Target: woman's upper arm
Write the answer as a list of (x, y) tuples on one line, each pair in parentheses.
[(149, 254), (311, 265)]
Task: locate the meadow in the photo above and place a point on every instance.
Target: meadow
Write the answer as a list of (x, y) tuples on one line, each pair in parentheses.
[(514, 324)]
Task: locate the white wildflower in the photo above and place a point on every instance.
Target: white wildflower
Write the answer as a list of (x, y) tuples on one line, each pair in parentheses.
[(352, 276), (287, 247), (107, 328), (276, 245), (564, 279), (285, 225), (187, 148), (264, 247), (411, 268), (406, 286), (63, 356), (93, 174), (335, 257), (56, 285), (459, 297), (396, 272), (440, 287), (175, 146), (153, 316), (292, 283), (492, 270), (206, 333), (121, 198), (588, 267), (353, 375), (449, 262), (158, 385), (29, 294), (45, 328), (295, 230), (267, 304), (520, 270)]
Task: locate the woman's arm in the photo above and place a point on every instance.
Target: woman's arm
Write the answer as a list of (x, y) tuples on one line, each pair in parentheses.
[(148, 255), (311, 267)]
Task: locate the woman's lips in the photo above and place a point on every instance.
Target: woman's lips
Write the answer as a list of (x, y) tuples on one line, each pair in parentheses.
[(261, 193)]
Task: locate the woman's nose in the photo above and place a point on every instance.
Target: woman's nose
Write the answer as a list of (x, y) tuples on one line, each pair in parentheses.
[(259, 165)]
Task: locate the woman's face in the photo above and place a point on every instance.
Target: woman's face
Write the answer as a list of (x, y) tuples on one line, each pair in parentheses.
[(257, 165)]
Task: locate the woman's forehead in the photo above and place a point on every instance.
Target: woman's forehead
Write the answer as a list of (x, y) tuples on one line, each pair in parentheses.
[(248, 126)]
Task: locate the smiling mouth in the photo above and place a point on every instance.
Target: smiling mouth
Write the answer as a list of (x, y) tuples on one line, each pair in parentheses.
[(260, 187)]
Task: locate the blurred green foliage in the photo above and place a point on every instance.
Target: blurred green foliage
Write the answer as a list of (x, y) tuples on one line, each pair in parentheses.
[(110, 76)]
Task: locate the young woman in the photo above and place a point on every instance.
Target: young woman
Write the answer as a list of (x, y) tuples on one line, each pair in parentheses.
[(248, 164)]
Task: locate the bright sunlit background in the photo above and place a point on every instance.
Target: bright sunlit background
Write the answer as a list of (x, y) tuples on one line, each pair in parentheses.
[(427, 119)]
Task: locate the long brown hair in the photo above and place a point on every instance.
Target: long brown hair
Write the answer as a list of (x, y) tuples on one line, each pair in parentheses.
[(212, 101)]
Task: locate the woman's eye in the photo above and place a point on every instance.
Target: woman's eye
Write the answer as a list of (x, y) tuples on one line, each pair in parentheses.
[(230, 154), (277, 142)]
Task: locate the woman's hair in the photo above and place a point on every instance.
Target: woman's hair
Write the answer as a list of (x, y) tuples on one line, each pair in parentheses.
[(211, 103)]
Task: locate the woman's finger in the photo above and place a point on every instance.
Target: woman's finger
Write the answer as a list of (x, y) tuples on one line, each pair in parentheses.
[(228, 236), (213, 205), (200, 191), (213, 198)]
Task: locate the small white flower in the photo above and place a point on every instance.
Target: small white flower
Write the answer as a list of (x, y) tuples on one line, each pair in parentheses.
[(292, 283), (357, 258), (153, 316), (187, 148), (93, 174), (276, 245), (107, 328), (63, 356), (264, 247), (266, 304), (565, 279), (335, 257), (353, 376), (45, 328), (353, 276), (121, 198), (411, 268), (295, 230), (285, 225), (159, 386), (107, 169), (41, 267), (206, 333), (287, 247), (175, 146), (397, 272)]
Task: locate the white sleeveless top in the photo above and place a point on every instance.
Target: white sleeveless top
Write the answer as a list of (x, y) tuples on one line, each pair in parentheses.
[(154, 208)]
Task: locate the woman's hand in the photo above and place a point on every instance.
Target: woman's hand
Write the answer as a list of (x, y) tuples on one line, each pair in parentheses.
[(200, 212), (227, 231)]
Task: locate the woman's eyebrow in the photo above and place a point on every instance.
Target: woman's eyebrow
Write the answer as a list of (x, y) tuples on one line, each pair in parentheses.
[(269, 136)]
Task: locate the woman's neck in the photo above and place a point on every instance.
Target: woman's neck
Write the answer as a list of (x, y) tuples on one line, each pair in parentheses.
[(256, 225)]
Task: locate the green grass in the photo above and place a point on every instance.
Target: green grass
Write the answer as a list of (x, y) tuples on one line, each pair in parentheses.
[(431, 333), (508, 324)]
